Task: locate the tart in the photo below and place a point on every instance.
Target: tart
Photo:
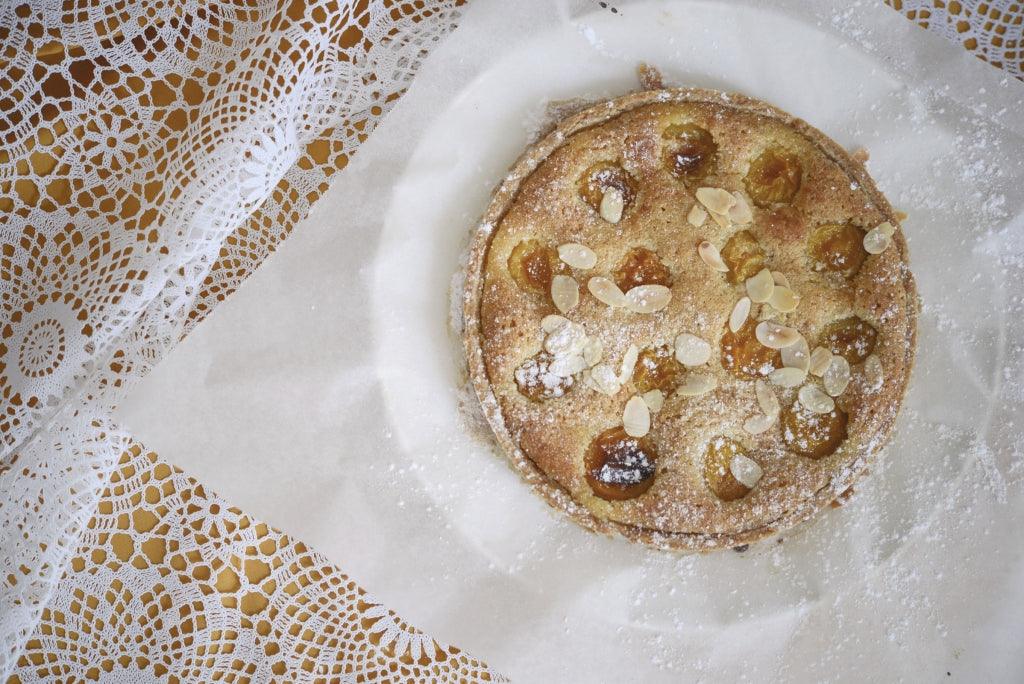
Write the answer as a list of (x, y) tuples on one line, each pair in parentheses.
[(689, 318)]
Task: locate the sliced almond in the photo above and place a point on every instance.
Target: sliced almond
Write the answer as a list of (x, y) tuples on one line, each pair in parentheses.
[(697, 216), (565, 293), (721, 219), (612, 204), (758, 423), (746, 470), (780, 279), (636, 417), (787, 377), (775, 336), (820, 359), (604, 379), (836, 376), (766, 399), (740, 212), (739, 314), (709, 255), (716, 200), (873, 373), (692, 350), (567, 366), (797, 355), (567, 339), (577, 255), (761, 286), (886, 228), (606, 291), (593, 350), (552, 322), (876, 241), (628, 364), (696, 384), (815, 400), (645, 299), (654, 399), (783, 299)]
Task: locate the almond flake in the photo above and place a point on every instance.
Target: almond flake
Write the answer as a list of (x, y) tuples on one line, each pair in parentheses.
[(836, 376), (820, 359), (740, 213), (636, 417), (784, 300), (797, 355), (593, 350), (604, 379), (815, 400), (886, 228), (567, 366), (876, 241), (566, 339), (565, 293), (645, 299), (628, 364), (761, 286), (746, 470), (716, 200), (758, 423), (873, 373), (721, 219), (766, 399), (692, 350), (775, 336), (696, 384), (552, 322), (709, 255), (612, 204), (787, 377), (577, 255), (697, 216), (739, 314), (654, 399), (606, 291), (780, 279)]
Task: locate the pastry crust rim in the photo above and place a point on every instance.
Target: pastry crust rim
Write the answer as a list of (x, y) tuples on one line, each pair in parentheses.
[(847, 473)]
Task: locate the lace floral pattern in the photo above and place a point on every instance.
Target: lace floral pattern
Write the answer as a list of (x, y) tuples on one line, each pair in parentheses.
[(154, 154)]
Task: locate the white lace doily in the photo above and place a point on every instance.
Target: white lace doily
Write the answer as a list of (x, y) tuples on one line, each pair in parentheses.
[(154, 154)]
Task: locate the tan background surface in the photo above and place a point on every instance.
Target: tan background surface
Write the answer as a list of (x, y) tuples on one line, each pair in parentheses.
[(286, 613)]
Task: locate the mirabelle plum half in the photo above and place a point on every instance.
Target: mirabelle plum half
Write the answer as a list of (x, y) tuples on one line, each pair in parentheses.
[(743, 255), (601, 176), (717, 456), (853, 338), (690, 154), (533, 264), (619, 467), (744, 356), (641, 266), (536, 382), (837, 247), (814, 435), (657, 369), (774, 177)]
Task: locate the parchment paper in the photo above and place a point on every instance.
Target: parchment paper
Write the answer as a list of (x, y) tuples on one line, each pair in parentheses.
[(324, 396)]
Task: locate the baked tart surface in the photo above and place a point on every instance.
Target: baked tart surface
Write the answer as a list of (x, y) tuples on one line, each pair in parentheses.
[(689, 318)]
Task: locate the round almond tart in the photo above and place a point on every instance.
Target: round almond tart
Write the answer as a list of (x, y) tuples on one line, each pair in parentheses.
[(689, 318)]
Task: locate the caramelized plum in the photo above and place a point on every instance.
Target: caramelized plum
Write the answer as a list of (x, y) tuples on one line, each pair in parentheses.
[(743, 255), (837, 247), (852, 338), (774, 177), (717, 456), (620, 467), (601, 176), (641, 266), (656, 369), (744, 356), (814, 435), (690, 152), (537, 382), (533, 265)]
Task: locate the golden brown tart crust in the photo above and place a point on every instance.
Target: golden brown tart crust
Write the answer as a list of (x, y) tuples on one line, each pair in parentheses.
[(547, 440)]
